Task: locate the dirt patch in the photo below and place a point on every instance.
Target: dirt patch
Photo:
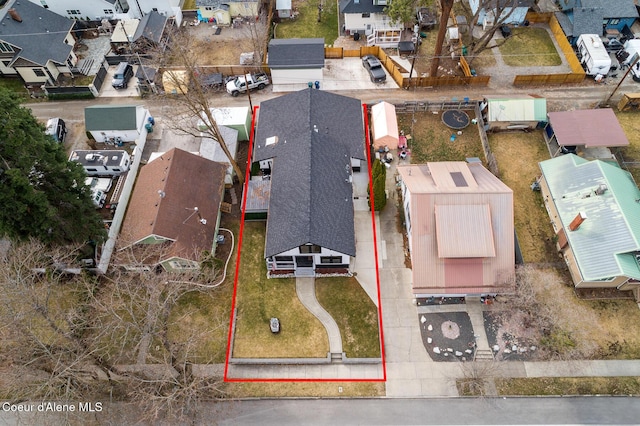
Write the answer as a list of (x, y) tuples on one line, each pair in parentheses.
[(512, 334), (220, 49)]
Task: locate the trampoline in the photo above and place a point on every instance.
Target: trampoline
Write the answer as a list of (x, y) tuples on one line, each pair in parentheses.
[(455, 119)]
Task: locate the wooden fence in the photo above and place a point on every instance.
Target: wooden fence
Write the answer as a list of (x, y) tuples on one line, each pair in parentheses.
[(576, 75), (397, 73)]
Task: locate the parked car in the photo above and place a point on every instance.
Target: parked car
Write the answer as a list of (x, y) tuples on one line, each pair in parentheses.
[(505, 30), (376, 71), (57, 129), (124, 72)]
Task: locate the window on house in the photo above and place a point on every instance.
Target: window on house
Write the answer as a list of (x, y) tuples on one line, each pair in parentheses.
[(92, 170), (284, 258), (331, 259), (38, 72), (366, 15), (208, 8), (6, 63), (6, 47), (116, 170), (614, 21), (73, 12), (107, 11), (310, 248), (44, 4)]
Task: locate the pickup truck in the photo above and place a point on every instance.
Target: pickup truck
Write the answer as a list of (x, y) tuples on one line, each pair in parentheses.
[(239, 84), (374, 67)]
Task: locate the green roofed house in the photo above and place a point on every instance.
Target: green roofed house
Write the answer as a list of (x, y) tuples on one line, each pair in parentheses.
[(513, 113), (108, 122), (594, 207)]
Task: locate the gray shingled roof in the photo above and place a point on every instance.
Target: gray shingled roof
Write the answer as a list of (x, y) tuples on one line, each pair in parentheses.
[(587, 21), (151, 27), (40, 35), (565, 23), (359, 6), (296, 53), (311, 197), (110, 117), (614, 8)]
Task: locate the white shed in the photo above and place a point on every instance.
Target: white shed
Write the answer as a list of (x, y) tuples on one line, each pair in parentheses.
[(384, 125)]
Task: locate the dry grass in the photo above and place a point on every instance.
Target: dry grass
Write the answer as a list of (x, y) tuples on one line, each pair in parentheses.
[(630, 122), (259, 299), (431, 138), (306, 389), (569, 386), (529, 47), (518, 155)]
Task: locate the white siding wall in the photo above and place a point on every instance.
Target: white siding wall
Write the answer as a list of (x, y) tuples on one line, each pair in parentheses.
[(355, 21), (316, 256), (91, 8), (6, 70), (296, 76), (30, 77), (126, 135)]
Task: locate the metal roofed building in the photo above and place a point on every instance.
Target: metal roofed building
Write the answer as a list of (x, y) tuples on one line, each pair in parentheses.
[(459, 221), (591, 130), (514, 112), (594, 207)]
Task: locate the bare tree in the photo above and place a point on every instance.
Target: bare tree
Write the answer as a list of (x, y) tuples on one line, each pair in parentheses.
[(191, 102), (258, 34), (499, 10)]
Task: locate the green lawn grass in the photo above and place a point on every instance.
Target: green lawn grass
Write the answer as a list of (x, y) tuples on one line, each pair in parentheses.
[(14, 85), (630, 122), (259, 299), (528, 47), (306, 24), (569, 386), (355, 313)]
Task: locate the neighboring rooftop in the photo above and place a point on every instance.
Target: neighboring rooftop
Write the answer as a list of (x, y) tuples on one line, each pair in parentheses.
[(110, 117), (88, 158), (588, 128), (296, 53), (607, 242), (176, 197), (39, 33), (151, 27)]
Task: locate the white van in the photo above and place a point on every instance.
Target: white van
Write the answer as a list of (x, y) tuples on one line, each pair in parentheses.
[(57, 129)]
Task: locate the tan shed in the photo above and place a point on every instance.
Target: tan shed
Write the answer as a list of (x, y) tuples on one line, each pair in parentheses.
[(384, 125)]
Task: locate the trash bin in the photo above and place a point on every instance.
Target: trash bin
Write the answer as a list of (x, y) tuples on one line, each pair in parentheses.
[(151, 121), (464, 51), (317, 84), (149, 127), (310, 84), (356, 36)]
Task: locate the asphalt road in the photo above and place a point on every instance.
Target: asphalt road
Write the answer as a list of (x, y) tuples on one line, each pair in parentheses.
[(460, 411), (558, 98)]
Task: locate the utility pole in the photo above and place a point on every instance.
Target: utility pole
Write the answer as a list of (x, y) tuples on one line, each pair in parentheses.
[(445, 6), (633, 64)]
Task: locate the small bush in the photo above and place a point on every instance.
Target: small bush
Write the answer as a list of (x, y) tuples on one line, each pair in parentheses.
[(66, 96)]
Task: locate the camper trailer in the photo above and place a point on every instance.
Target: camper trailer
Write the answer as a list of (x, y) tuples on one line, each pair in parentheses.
[(593, 55)]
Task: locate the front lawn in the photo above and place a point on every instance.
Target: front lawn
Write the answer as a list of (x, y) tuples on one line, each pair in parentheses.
[(259, 299), (529, 47), (355, 313), (14, 85), (306, 24)]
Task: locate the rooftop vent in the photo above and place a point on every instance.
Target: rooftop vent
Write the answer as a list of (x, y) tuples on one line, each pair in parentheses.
[(271, 140), (14, 15), (577, 221), (601, 189)]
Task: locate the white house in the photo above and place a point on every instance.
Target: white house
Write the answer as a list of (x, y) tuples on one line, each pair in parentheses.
[(35, 44), (367, 17), (102, 163), (108, 123), (99, 9)]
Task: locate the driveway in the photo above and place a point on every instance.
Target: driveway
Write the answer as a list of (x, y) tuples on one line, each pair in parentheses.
[(107, 91), (342, 74)]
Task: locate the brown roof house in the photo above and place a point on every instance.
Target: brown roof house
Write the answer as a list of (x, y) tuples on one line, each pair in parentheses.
[(459, 221), (176, 203)]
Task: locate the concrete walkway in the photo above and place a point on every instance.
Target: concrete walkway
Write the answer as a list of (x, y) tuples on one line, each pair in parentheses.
[(306, 290)]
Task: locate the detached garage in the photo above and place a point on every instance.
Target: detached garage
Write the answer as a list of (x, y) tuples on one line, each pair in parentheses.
[(296, 61), (384, 125)]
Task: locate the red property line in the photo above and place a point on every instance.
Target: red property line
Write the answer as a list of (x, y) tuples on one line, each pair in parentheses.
[(235, 284)]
